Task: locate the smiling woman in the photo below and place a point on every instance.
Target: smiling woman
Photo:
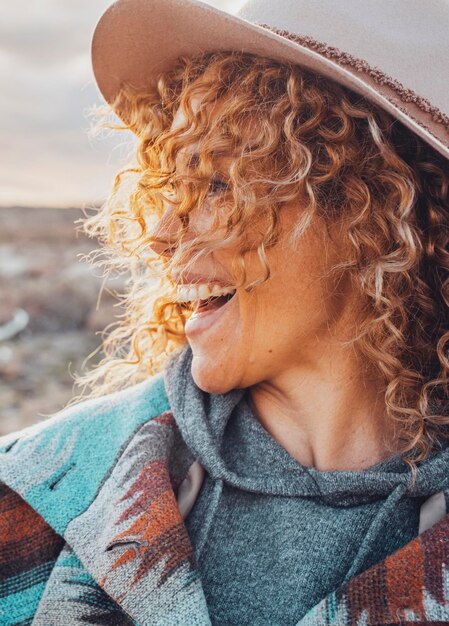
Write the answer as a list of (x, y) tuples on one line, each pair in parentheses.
[(266, 438), (308, 205)]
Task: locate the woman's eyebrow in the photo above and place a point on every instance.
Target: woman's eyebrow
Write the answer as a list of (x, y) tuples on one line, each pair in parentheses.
[(192, 160)]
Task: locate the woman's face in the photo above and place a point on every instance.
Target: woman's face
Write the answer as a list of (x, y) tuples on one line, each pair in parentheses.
[(281, 324)]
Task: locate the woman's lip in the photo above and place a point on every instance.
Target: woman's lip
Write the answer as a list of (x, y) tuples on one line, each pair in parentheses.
[(199, 322), (190, 278)]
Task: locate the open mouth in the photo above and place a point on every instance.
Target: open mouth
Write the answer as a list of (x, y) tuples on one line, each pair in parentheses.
[(205, 312), (211, 304), (203, 298)]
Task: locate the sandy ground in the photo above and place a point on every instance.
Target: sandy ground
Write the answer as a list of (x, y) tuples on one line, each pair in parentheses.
[(43, 279)]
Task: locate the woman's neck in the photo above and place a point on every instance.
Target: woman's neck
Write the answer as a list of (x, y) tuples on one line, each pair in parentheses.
[(326, 416)]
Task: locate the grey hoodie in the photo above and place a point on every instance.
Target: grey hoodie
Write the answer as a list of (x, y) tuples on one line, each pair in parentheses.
[(272, 537)]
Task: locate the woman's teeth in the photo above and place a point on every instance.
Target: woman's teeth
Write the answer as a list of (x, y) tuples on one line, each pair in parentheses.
[(193, 293)]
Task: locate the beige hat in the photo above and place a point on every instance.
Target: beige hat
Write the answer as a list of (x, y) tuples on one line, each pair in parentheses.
[(393, 52)]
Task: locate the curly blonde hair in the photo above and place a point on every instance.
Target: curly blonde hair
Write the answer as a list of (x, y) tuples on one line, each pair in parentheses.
[(346, 159)]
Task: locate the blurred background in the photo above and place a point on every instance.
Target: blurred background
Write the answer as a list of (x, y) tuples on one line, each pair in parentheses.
[(51, 169)]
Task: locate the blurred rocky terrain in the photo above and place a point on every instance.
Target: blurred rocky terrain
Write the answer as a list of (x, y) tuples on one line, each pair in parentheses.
[(49, 320)]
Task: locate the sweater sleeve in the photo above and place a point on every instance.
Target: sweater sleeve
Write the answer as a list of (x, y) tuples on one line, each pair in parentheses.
[(71, 591), (29, 548)]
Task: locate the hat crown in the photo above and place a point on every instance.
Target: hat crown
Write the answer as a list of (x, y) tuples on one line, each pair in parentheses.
[(403, 38)]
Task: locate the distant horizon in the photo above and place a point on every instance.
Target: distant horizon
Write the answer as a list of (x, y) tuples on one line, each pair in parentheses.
[(5, 207)]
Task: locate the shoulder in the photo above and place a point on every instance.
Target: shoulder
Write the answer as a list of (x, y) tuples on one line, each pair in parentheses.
[(81, 442)]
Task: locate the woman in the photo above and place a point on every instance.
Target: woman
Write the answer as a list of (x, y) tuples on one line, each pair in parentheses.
[(266, 437)]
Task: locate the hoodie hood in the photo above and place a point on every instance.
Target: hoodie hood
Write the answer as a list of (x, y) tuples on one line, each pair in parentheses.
[(231, 444)]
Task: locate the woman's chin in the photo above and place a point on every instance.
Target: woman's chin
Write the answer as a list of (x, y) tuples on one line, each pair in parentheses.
[(210, 379)]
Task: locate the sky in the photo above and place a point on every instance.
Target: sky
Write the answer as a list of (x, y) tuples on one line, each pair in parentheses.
[(47, 156)]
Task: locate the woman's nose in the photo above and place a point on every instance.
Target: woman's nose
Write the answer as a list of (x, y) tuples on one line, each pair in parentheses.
[(163, 238)]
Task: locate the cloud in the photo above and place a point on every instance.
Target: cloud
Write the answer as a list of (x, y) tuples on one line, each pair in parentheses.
[(49, 31), (46, 156)]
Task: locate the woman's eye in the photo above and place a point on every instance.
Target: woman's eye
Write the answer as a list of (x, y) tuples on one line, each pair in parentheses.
[(171, 188), (218, 185)]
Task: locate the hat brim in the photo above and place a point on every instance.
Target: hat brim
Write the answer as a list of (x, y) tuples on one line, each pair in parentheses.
[(137, 40)]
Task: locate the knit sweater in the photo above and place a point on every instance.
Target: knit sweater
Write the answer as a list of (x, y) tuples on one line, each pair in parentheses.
[(93, 504)]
